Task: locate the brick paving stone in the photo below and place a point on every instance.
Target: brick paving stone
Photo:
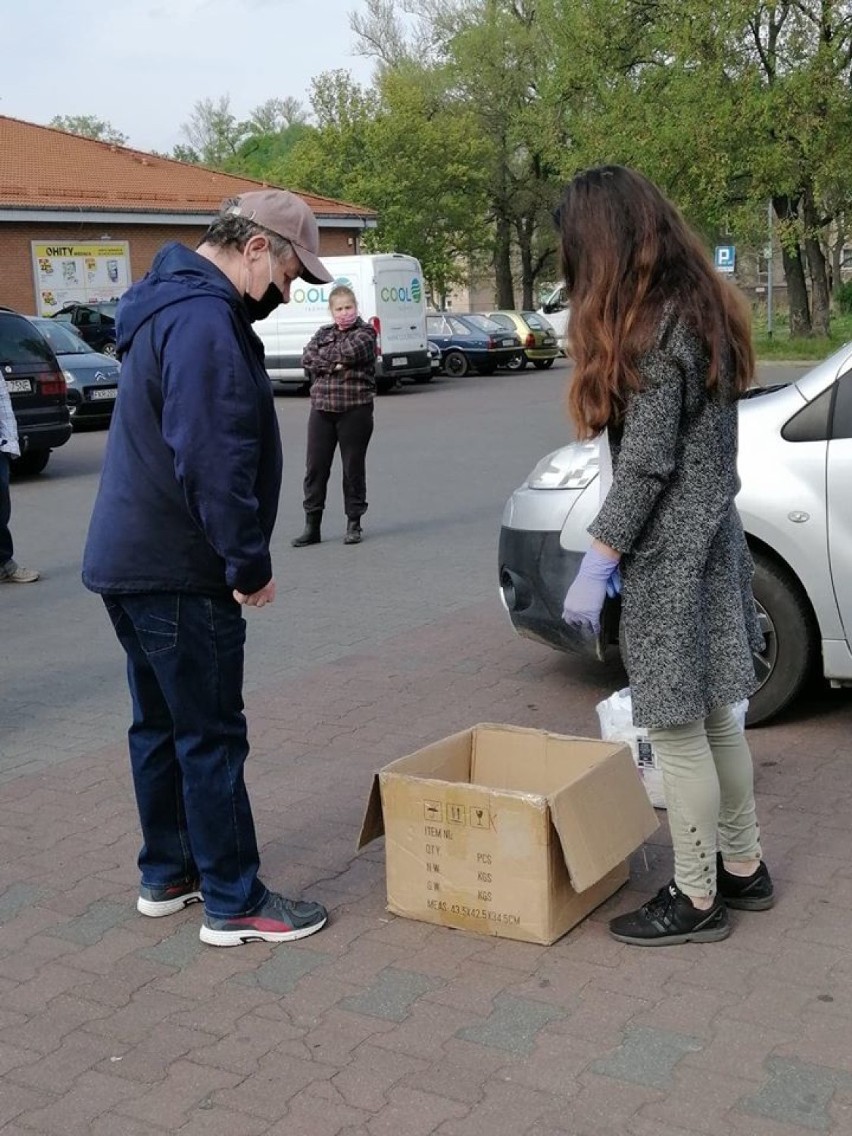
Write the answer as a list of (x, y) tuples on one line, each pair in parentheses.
[(700, 1101), (365, 1082), (446, 953), (44, 1030), (796, 1094), (17, 897), (282, 969), (554, 1065), (170, 1101), (773, 1005), (425, 1031), (415, 1112), (93, 924), (211, 1120), (513, 1024), (821, 1039), (150, 1061), (252, 1038), (267, 1091), (476, 987), (312, 1114), (647, 1056), (145, 1011), (59, 1070), (391, 995), (601, 1018), (738, 1049), (363, 962), (16, 1100), (220, 1015), (313, 995), (74, 1113), (505, 1110), (462, 1071), (339, 1034)]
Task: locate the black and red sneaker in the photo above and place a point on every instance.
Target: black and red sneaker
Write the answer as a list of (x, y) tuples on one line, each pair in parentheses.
[(746, 893), (670, 918), (168, 900), (277, 920)]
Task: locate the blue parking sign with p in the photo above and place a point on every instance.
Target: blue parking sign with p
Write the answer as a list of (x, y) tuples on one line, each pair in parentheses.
[(726, 258)]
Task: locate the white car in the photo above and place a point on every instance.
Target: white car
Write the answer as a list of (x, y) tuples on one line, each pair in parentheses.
[(795, 465)]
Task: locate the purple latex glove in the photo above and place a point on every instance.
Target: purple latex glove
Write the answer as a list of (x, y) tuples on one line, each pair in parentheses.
[(585, 598)]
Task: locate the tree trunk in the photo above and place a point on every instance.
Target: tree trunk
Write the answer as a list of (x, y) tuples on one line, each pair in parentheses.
[(525, 228), (786, 210), (820, 296), (503, 265)]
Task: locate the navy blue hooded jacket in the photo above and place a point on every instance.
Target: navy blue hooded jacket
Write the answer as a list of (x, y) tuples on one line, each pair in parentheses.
[(192, 472)]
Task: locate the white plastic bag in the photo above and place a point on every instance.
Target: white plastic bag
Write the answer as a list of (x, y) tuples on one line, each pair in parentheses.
[(616, 718)]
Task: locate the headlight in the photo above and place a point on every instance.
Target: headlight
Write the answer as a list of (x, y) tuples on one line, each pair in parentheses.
[(572, 467), (69, 378)]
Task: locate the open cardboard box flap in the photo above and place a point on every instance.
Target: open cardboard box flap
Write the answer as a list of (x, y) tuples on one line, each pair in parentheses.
[(601, 818), (597, 804)]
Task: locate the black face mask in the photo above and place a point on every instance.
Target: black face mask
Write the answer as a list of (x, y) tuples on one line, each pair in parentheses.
[(268, 302)]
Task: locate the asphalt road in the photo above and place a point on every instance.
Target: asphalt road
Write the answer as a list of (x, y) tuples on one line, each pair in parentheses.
[(443, 460)]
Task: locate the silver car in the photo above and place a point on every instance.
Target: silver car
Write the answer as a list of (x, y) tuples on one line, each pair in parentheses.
[(795, 465)]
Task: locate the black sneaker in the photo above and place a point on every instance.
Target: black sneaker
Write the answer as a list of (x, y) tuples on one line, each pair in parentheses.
[(167, 900), (669, 919), (279, 920), (747, 893)]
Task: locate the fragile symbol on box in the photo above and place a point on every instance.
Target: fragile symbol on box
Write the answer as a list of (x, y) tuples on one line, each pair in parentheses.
[(479, 818), (433, 810), (456, 814)]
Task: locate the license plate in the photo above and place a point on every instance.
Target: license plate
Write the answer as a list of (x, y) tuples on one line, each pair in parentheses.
[(19, 386), (107, 392), (402, 361), (508, 343), (549, 341)]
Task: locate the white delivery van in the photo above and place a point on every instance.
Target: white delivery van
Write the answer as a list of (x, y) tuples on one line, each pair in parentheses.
[(391, 296), (557, 311)]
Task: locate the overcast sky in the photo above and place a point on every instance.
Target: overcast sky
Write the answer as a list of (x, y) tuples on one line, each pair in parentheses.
[(143, 64)]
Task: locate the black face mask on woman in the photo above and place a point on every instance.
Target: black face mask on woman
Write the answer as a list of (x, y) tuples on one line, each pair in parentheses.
[(268, 302)]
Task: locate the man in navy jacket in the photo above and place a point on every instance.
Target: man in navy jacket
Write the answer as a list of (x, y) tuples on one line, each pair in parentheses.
[(179, 539)]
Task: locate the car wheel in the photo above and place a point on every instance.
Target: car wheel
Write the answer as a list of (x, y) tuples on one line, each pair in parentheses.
[(792, 640), (108, 349), (517, 362), (455, 364), (33, 461), (542, 364)]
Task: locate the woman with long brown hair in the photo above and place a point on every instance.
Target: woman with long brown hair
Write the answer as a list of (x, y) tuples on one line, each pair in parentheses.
[(662, 352)]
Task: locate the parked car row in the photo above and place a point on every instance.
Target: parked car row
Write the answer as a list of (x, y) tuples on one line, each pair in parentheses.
[(483, 342), (53, 378)]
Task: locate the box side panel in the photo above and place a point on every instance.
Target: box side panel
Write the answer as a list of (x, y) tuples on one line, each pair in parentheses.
[(465, 857), (533, 761), (448, 759), (569, 907)]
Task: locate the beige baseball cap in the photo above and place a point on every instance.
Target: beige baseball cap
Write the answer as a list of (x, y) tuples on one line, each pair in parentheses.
[(290, 217)]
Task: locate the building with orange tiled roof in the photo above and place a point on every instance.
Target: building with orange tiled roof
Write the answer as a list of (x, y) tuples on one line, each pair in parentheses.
[(113, 206)]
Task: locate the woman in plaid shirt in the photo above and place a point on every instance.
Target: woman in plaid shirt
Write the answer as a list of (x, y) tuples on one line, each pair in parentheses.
[(340, 362)]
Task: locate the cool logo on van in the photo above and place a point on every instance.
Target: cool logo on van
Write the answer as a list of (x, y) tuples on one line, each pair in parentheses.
[(318, 294), (413, 294)]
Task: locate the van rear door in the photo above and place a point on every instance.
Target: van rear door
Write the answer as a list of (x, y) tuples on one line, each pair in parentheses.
[(401, 313)]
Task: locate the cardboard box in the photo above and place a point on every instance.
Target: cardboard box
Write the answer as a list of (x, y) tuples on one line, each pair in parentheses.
[(508, 831)]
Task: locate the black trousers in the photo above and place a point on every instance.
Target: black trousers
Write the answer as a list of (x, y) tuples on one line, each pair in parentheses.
[(351, 430)]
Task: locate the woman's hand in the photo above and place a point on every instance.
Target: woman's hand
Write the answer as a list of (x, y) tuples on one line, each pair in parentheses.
[(596, 578)]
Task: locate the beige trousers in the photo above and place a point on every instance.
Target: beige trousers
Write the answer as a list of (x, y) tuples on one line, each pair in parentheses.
[(708, 782)]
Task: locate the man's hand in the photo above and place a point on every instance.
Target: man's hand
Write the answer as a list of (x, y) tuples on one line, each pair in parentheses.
[(265, 596)]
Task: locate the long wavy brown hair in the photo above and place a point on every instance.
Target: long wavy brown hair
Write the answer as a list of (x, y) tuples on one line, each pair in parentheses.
[(628, 258)]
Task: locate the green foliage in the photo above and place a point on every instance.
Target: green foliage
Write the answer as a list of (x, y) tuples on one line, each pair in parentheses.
[(843, 298), (89, 126), (409, 150)]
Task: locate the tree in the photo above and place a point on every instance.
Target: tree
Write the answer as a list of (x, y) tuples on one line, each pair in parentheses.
[(409, 150), (213, 132), (276, 115), (89, 126)]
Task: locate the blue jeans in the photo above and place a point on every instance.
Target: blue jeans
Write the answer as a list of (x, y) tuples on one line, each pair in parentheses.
[(6, 549), (188, 745)]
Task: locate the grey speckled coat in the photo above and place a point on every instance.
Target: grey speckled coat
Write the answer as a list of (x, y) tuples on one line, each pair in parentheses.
[(688, 615)]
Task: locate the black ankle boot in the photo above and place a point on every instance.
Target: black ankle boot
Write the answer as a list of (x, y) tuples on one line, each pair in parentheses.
[(311, 533), (353, 531)]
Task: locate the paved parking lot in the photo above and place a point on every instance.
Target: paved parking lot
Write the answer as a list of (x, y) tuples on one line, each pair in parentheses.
[(114, 1025)]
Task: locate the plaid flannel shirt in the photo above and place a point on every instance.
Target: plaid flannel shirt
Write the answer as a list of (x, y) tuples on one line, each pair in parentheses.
[(8, 425), (341, 366)]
